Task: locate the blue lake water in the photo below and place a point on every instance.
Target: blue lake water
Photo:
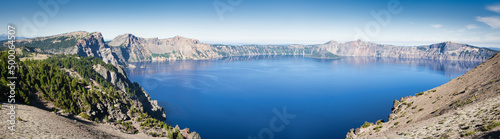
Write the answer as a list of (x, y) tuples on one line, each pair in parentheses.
[(242, 97)]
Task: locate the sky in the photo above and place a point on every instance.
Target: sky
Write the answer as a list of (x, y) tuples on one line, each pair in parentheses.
[(398, 22)]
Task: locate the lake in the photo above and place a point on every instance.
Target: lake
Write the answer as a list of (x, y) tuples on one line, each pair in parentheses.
[(286, 97)]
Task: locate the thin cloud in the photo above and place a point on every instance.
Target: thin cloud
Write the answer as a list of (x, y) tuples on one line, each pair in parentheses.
[(437, 26), (494, 8), (472, 27), (492, 21)]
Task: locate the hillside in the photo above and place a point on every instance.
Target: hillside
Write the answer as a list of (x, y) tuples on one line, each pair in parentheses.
[(80, 42), (86, 89), (465, 107)]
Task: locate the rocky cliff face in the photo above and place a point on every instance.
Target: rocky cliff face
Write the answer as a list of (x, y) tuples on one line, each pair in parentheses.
[(132, 49), (141, 98), (465, 107), (93, 46), (440, 51)]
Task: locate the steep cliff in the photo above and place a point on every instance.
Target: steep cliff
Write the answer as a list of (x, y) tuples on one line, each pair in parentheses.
[(93, 46), (440, 51), (465, 107), (132, 49)]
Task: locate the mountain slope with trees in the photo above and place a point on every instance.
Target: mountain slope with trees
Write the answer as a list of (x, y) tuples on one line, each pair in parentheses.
[(89, 88)]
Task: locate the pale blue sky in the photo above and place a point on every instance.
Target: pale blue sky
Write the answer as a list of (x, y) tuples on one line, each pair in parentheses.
[(419, 22)]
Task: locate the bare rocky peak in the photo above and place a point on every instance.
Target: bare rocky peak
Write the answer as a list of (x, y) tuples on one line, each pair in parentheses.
[(122, 40)]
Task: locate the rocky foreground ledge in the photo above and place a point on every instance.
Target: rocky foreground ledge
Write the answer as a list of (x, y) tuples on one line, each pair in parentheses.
[(465, 107)]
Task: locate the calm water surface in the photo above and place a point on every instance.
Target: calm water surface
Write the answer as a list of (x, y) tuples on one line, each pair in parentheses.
[(239, 97)]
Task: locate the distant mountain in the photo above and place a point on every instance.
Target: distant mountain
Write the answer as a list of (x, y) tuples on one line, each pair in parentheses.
[(130, 48), (494, 48), (465, 107), (133, 48), (5, 37)]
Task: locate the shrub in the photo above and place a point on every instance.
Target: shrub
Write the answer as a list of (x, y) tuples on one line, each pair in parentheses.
[(84, 116), (418, 94), (396, 123), (379, 122), (490, 126), (377, 129), (468, 133), (179, 136), (366, 124)]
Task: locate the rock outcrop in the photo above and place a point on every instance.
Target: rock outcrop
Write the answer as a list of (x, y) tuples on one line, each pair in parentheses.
[(141, 98), (465, 107), (93, 46)]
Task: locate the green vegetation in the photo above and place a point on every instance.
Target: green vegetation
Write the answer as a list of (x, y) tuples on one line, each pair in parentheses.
[(490, 126), (19, 119), (379, 122), (409, 121), (129, 127), (461, 103), (84, 116), (62, 42), (377, 129), (179, 136), (49, 78), (421, 109), (324, 55), (72, 85), (435, 111), (468, 133), (366, 124), (154, 123), (396, 123), (418, 94)]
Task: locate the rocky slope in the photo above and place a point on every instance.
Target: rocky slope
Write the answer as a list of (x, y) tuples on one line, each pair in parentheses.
[(38, 123), (465, 107)]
